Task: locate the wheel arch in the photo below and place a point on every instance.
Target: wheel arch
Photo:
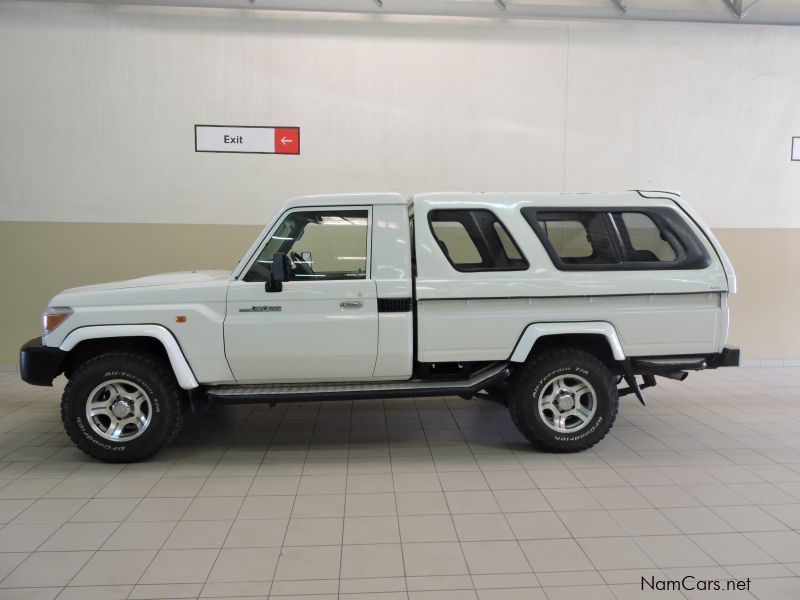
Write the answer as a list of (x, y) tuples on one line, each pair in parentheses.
[(597, 337), (86, 342)]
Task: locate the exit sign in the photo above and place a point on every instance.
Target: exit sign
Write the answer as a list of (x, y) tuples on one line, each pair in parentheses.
[(247, 139)]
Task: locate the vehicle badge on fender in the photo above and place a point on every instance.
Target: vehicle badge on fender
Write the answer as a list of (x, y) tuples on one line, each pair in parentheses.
[(263, 308)]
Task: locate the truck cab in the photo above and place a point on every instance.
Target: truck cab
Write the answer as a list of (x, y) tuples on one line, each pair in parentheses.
[(348, 294)]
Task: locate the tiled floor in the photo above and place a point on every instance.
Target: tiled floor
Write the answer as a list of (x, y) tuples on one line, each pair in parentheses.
[(429, 499)]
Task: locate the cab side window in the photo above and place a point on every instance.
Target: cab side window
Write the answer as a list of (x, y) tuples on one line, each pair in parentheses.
[(456, 243), (509, 247), (583, 239), (321, 245), (475, 240), (578, 238), (642, 240)]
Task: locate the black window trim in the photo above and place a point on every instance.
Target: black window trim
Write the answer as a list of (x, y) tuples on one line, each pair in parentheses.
[(273, 228), (497, 219), (690, 252)]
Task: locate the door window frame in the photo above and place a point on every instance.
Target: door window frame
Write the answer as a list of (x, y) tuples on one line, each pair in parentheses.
[(279, 221)]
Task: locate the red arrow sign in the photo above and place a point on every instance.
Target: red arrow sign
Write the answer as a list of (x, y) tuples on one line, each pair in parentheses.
[(287, 140)]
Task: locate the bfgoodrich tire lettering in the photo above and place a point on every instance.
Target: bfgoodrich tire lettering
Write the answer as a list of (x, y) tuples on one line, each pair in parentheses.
[(145, 373), (573, 370)]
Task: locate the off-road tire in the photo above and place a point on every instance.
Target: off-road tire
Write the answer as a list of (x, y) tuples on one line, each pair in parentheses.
[(527, 385), (151, 375)]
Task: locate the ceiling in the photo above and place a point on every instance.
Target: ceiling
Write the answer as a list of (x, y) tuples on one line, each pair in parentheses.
[(763, 12)]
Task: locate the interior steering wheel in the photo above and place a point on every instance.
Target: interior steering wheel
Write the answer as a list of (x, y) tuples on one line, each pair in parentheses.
[(299, 265)]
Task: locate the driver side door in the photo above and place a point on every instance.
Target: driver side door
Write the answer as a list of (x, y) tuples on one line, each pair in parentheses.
[(323, 324)]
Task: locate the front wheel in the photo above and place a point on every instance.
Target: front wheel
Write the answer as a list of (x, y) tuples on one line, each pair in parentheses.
[(122, 407), (564, 401)]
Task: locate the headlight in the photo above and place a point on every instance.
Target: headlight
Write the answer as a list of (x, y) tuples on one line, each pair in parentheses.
[(53, 317)]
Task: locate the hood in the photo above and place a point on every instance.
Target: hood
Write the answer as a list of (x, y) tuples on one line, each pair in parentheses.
[(174, 281), (177, 278)]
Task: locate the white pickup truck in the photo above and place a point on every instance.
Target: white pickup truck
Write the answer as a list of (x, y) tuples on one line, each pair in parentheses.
[(549, 302)]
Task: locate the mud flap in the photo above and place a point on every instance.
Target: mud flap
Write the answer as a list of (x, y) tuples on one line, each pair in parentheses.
[(633, 385)]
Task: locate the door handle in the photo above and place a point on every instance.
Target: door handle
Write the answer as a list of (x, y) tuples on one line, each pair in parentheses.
[(348, 304)]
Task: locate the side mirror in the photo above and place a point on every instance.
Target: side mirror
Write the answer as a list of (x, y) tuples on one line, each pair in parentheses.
[(281, 271)]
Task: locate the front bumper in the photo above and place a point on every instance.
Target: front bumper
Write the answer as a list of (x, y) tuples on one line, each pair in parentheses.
[(40, 364)]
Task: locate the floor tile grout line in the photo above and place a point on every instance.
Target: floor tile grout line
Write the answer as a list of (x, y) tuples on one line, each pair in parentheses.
[(233, 521), (452, 519), (344, 508), (68, 521), (178, 520), (58, 529), (521, 539), (294, 500), (547, 501), (291, 509), (396, 510)]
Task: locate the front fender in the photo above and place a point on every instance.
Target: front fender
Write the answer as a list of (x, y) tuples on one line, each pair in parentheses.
[(177, 360)]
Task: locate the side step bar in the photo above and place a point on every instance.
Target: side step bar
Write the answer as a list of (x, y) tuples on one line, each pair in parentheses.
[(296, 392)]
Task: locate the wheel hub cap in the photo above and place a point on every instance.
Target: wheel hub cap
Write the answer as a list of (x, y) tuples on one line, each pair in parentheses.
[(564, 401), (119, 410), (567, 403), (122, 408)]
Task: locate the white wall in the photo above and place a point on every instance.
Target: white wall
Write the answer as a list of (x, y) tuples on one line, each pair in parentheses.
[(97, 108), (708, 109)]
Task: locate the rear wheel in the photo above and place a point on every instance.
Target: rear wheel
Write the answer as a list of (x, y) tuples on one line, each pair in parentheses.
[(564, 401), (122, 407)]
